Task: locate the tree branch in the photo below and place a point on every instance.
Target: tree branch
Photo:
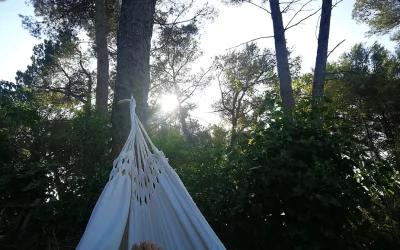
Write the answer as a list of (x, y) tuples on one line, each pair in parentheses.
[(288, 5), (258, 6), (301, 9), (61, 91), (312, 14), (252, 40), (222, 95), (330, 52)]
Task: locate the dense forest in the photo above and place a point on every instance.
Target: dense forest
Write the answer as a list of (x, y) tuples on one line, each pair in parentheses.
[(299, 160)]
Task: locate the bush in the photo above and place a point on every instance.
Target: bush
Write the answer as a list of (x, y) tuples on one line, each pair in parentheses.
[(297, 185)]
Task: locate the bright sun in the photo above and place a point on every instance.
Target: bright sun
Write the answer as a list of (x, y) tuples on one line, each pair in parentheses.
[(169, 103)]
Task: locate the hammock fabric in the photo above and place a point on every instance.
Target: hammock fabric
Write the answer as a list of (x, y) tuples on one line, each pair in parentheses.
[(144, 199)]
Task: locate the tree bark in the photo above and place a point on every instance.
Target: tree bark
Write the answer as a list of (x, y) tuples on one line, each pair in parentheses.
[(133, 69), (88, 105), (322, 54), (102, 56), (182, 120), (234, 121), (285, 80)]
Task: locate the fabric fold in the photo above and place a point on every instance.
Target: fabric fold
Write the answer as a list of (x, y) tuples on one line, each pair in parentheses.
[(146, 200)]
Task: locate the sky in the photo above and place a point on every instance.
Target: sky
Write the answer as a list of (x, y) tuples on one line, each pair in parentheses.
[(234, 25), (16, 44)]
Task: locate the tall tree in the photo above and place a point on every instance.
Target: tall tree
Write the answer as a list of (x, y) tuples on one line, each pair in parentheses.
[(133, 70), (282, 58), (322, 53), (67, 18), (365, 86), (276, 9), (382, 16), (60, 71), (242, 78), (103, 74), (172, 71)]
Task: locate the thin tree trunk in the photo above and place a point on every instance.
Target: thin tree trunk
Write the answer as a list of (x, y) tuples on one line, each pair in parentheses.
[(322, 55), (133, 69), (181, 114), (102, 56), (182, 120), (89, 97), (285, 80), (88, 104), (234, 121)]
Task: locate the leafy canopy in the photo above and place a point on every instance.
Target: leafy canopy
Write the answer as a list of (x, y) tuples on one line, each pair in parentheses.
[(382, 16)]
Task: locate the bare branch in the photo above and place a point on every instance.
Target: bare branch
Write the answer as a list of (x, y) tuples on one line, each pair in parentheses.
[(203, 12), (258, 6), (330, 52), (155, 86), (196, 85), (252, 40), (312, 14), (184, 10), (300, 10), (288, 5), (65, 74), (287, 25), (337, 2)]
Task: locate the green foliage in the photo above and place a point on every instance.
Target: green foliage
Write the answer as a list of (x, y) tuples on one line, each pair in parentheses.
[(173, 58), (283, 184), (59, 73), (58, 18), (79, 162), (289, 186), (22, 176), (383, 17), (51, 172), (172, 73), (365, 88), (201, 165), (296, 186), (243, 77)]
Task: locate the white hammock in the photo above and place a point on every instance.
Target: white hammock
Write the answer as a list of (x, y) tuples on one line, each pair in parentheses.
[(144, 199)]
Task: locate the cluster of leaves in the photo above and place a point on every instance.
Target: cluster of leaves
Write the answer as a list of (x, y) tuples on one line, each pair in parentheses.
[(201, 164), (296, 184), (292, 185), (365, 87), (381, 16), (243, 76), (60, 71), (52, 171)]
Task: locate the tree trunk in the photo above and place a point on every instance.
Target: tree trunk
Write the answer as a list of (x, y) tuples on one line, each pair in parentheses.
[(88, 105), (102, 56), (133, 69), (182, 120), (234, 121), (182, 115), (282, 60), (322, 55)]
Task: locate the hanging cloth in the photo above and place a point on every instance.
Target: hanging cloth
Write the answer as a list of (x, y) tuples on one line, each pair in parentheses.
[(144, 199)]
